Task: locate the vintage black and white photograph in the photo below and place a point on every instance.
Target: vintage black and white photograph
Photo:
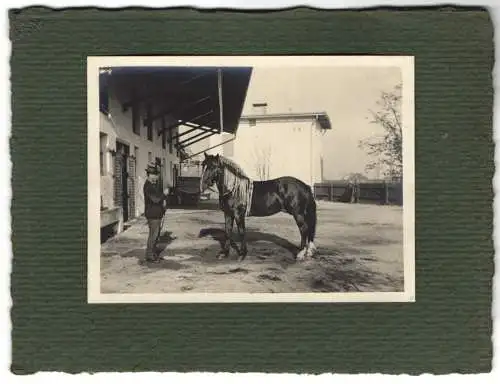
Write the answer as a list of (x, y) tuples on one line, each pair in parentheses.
[(251, 179)]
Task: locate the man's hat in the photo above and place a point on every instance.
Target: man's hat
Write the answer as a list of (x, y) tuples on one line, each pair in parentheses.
[(152, 169)]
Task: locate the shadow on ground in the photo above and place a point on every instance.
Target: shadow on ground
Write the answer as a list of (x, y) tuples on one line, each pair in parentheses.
[(138, 253), (341, 267), (333, 269), (330, 275), (252, 236)]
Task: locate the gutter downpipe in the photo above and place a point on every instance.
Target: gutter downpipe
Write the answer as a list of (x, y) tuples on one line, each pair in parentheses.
[(312, 151)]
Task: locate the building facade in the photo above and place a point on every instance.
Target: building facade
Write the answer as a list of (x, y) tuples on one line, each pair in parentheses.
[(127, 145), (154, 114)]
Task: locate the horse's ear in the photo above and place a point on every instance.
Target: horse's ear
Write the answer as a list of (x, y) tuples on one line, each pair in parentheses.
[(217, 157), (206, 156)]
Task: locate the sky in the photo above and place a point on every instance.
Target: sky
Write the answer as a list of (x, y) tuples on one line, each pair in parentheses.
[(345, 94)]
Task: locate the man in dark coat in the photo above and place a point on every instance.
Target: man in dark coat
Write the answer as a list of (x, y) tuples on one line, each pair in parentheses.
[(154, 209)]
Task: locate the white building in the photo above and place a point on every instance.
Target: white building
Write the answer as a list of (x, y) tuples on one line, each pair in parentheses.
[(274, 145)]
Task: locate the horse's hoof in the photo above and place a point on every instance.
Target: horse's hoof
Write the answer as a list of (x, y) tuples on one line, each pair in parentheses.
[(241, 258), (312, 248), (221, 256), (301, 256), (310, 253)]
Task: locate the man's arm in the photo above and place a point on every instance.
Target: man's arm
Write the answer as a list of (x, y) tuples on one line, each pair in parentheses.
[(153, 194)]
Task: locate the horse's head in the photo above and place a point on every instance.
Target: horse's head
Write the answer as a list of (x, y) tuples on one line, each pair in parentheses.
[(211, 171)]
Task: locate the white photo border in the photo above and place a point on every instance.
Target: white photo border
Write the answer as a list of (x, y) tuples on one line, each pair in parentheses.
[(406, 63)]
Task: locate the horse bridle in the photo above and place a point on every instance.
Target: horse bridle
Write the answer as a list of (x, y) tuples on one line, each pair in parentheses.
[(201, 178)]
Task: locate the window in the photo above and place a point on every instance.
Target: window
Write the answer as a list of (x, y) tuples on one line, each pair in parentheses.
[(171, 170), (164, 170), (103, 141), (136, 120), (101, 159), (177, 148), (163, 134), (175, 172), (150, 157), (260, 108), (159, 164), (150, 122), (136, 155)]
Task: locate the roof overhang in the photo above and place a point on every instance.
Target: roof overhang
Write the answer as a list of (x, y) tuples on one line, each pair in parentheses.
[(208, 97), (321, 117)]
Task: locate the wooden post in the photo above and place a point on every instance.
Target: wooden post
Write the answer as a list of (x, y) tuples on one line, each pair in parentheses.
[(330, 192)]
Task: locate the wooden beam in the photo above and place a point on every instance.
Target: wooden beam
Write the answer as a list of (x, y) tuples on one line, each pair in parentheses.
[(192, 130), (181, 134), (180, 143), (194, 142), (209, 148), (181, 122), (185, 108), (202, 127)]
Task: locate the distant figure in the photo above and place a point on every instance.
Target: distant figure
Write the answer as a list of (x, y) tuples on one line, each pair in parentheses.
[(154, 209), (354, 187)]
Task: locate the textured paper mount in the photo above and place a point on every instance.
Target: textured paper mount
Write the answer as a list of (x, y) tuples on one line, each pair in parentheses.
[(406, 65)]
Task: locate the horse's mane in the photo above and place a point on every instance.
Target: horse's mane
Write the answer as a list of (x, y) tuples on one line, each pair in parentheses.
[(233, 167), (237, 183)]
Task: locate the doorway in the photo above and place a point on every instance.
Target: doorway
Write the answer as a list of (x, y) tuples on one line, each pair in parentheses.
[(121, 178), (175, 175)]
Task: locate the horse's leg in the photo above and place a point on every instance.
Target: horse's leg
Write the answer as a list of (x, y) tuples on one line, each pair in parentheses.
[(301, 223), (229, 219), (240, 222)]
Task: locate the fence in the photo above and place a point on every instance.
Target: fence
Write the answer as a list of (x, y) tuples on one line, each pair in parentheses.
[(377, 192)]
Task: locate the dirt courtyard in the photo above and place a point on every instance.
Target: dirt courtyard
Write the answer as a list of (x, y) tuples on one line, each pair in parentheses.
[(360, 248)]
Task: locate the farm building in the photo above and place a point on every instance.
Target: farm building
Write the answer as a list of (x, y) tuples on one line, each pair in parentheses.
[(274, 145), (154, 115)]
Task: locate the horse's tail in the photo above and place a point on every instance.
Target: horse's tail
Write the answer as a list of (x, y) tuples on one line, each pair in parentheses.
[(311, 219)]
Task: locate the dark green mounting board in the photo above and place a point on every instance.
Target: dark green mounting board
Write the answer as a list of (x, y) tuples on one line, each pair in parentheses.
[(447, 330)]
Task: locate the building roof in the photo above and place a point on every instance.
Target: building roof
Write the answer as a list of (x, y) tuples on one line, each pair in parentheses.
[(321, 117), (189, 94)]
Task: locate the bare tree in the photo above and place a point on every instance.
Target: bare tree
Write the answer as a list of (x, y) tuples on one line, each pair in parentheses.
[(262, 162), (355, 177), (387, 149)]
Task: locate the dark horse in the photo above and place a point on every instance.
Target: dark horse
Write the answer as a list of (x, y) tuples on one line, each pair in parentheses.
[(240, 197)]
